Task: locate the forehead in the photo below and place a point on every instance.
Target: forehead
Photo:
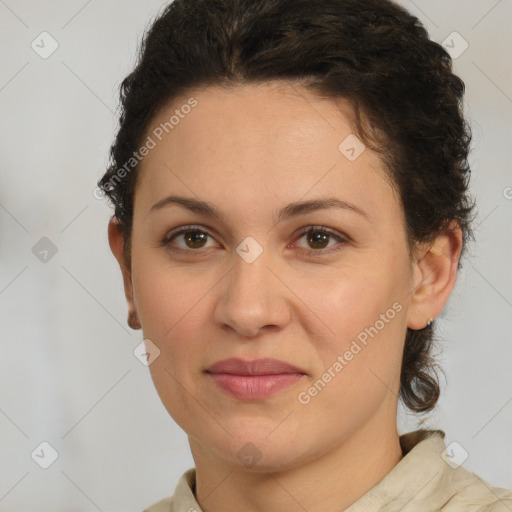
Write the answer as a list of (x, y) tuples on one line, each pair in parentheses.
[(274, 140)]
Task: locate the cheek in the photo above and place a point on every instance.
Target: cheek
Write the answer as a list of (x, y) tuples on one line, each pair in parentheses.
[(170, 303), (354, 298), (354, 311), (172, 308), (336, 304), (361, 361), (364, 309)]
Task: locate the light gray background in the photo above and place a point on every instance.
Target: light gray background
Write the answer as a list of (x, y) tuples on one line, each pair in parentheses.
[(68, 375)]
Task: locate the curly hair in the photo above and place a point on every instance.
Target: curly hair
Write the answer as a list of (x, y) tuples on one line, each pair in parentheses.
[(407, 105)]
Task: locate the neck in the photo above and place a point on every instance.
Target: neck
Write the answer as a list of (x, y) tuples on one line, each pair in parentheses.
[(332, 481)]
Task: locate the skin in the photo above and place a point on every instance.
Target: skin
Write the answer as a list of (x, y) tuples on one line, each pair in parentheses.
[(250, 151)]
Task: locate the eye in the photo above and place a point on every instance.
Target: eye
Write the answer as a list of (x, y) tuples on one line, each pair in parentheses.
[(318, 238), (193, 237)]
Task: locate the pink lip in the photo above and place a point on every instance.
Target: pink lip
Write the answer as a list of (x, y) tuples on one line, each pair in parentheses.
[(254, 380), (236, 366)]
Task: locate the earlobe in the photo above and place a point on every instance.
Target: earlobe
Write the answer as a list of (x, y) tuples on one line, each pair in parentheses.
[(435, 274), (116, 242)]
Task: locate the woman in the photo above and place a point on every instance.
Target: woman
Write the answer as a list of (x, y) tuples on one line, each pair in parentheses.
[(290, 183)]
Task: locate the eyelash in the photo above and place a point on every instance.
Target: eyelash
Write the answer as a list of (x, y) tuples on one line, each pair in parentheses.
[(304, 231)]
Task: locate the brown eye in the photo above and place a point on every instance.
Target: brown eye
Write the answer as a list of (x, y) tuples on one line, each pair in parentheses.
[(195, 239), (191, 240), (318, 239)]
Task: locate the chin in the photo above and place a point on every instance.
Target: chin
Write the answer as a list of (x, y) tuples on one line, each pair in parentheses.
[(253, 449)]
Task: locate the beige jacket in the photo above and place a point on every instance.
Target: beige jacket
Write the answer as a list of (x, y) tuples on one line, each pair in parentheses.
[(427, 479)]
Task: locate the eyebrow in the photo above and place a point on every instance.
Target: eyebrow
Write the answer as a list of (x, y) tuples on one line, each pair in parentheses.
[(290, 210)]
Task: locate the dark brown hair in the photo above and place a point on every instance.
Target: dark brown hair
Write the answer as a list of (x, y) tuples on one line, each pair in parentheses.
[(372, 53)]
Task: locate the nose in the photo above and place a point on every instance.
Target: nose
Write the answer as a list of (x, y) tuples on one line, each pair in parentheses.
[(252, 298)]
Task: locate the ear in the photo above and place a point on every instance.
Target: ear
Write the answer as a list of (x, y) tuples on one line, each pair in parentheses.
[(435, 274), (116, 242)]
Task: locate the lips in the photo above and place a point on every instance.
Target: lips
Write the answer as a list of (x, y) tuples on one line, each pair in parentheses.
[(265, 366), (254, 380)]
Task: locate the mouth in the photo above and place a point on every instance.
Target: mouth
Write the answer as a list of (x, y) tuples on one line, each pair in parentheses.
[(256, 379), (267, 366)]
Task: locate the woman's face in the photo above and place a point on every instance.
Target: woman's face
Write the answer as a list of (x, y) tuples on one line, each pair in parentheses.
[(253, 285)]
